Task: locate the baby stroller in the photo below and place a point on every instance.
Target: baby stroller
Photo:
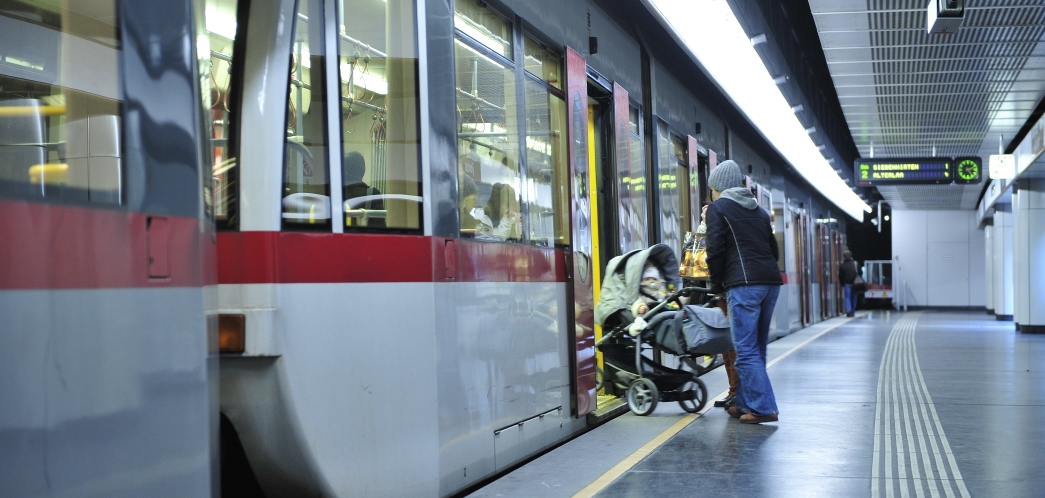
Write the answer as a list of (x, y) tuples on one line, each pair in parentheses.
[(686, 331)]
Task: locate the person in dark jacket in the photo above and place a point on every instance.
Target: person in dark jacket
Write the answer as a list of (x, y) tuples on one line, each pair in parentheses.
[(742, 262), (847, 273), (352, 170)]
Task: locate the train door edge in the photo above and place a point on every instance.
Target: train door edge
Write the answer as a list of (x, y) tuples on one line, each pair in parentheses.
[(580, 316)]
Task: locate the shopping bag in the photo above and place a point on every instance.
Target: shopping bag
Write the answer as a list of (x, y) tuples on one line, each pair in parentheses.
[(694, 257), (859, 285)]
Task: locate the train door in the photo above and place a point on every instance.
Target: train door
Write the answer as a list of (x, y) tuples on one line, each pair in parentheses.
[(838, 249), (583, 235), (823, 268), (800, 222)]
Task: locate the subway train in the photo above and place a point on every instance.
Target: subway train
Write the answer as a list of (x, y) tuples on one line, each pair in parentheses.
[(413, 220), (108, 333), (350, 246)]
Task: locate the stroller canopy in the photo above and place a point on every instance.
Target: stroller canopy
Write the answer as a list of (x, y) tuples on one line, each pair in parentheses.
[(620, 285)]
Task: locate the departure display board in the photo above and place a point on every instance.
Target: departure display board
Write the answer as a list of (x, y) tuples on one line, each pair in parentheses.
[(904, 171)]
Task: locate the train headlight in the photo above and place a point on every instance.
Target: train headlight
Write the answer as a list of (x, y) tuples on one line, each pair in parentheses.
[(231, 334)]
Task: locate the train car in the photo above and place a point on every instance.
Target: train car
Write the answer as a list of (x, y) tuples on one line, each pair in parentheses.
[(108, 353), (414, 203)]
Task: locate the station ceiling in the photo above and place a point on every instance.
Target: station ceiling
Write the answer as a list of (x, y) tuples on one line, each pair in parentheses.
[(910, 94)]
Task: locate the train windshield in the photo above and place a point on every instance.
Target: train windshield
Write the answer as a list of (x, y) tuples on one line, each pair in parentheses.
[(60, 124)]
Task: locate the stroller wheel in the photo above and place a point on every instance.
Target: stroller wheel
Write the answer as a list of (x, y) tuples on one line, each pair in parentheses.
[(699, 395), (642, 396)]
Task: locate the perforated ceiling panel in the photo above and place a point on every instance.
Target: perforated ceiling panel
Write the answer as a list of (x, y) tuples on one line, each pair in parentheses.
[(907, 93)]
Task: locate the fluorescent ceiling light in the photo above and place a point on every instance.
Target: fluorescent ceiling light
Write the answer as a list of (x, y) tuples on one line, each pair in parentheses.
[(720, 46), (369, 81), (221, 23)]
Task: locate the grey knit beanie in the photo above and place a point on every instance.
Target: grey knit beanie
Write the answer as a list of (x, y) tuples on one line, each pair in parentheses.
[(726, 176)]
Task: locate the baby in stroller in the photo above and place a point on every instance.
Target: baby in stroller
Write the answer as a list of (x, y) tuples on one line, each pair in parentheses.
[(641, 306)]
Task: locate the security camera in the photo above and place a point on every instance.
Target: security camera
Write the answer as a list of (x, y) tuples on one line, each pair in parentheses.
[(945, 16)]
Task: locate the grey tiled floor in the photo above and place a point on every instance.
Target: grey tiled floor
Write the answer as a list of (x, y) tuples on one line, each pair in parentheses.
[(987, 383)]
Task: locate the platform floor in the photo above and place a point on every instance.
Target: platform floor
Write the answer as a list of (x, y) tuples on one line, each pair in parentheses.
[(917, 404)]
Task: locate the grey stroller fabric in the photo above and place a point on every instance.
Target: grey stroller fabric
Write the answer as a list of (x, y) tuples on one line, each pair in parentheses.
[(693, 330), (620, 283)]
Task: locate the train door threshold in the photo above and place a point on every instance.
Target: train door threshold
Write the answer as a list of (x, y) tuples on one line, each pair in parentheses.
[(609, 407)]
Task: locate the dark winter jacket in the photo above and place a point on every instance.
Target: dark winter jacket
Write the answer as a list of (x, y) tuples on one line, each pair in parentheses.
[(361, 189), (742, 249), (847, 272)]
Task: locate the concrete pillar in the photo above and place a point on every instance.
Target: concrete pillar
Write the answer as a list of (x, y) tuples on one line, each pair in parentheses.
[(988, 235), (1019, 257), (1003, 259), (1029, 236)]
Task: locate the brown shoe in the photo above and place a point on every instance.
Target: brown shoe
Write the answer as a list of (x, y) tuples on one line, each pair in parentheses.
[(735, 412), (751, 418)]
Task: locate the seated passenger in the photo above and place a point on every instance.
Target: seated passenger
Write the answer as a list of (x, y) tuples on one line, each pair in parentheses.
[(500, 219), (352, 170), (468, 193)]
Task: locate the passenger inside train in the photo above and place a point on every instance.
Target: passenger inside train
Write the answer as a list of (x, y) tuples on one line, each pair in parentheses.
[(500, 219), (352, 171)]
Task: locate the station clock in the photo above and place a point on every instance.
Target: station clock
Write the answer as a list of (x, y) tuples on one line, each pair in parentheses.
[(967, 170)]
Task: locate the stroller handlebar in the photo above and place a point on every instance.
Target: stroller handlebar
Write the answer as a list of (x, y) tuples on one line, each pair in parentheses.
[(683, 292)]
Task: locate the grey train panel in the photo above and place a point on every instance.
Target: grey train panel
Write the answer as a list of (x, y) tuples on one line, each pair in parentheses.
[(502, 361), (745, 155), (161, 129), (674, 103), (565, 23), (116, 390)]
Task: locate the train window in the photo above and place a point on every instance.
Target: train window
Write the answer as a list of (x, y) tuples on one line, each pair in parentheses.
[(216, 51), (60, 99), (380, 163), (488, 145), (637, 182), (306, 186), (543, 63), (547, 180), (680, 151), (672, 180), (484, 26)]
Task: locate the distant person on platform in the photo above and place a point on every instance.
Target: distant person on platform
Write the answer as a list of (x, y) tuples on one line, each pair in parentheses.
[(352, 170), (742, 262), (847, 273)]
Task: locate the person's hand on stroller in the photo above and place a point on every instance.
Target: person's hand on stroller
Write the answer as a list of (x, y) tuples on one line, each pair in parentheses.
[(719, 301)]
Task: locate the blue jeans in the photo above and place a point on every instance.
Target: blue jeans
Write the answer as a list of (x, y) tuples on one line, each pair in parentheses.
[(750, 314), (850, 298)]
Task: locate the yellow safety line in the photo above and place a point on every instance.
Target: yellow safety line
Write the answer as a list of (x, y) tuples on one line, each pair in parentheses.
[(631, 460), (634, 458)]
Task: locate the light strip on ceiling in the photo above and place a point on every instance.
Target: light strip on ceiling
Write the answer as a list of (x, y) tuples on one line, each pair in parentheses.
[(710, 32)]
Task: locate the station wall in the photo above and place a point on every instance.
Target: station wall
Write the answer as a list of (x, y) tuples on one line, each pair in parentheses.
[(940, 255)]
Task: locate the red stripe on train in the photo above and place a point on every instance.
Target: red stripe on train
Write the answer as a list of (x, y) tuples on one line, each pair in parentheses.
[(53, 246), (296, 257)]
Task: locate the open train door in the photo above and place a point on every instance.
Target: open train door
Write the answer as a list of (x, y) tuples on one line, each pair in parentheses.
[(583, 265)]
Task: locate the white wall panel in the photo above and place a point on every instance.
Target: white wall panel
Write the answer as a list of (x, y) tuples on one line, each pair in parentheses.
[(942, 256), (909, 251), (977, 263), (988, 265), (947, 226), (947, 273)]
